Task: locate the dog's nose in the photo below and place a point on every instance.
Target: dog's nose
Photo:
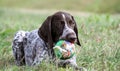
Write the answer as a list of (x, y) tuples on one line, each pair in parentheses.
[(71, 37)]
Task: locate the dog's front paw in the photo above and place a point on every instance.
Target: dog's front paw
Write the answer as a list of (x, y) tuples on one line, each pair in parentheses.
[(81, 69)]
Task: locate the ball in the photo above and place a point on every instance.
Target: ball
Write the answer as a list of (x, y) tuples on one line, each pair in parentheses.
[(64, 49)]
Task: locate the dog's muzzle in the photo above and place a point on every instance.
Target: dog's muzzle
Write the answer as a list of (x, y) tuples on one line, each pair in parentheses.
[(69, 35)]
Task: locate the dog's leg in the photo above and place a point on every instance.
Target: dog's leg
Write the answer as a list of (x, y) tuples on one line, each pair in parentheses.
[(18, 48), (72, 63), (76, 67), (41, 54), (35, 51)]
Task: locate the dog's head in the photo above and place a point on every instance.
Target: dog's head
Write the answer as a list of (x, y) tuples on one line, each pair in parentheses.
[(60, 25)]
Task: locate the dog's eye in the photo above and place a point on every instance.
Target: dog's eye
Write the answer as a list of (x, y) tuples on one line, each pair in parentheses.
[(71, 22)]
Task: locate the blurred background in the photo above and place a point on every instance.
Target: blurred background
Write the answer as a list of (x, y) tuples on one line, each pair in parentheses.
[(99, 6), (98, 27)]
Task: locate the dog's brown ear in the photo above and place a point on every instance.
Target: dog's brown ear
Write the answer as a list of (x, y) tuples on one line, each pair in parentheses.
[(45, 32), (76, 31)]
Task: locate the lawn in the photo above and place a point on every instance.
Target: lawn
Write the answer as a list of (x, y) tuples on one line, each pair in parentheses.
[(101, 6), (99, 35)]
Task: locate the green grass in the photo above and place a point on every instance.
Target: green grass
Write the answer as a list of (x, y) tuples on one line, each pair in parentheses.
[(99, 36), (110, 6)]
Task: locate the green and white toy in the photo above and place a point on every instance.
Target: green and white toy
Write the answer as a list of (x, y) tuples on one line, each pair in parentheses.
[(64, 49)]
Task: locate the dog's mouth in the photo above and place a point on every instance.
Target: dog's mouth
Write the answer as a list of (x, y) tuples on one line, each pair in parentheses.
[(71, 40), (71, 37)]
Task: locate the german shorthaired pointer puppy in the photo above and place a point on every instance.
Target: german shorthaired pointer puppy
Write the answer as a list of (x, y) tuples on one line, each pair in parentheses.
[(31, 48)]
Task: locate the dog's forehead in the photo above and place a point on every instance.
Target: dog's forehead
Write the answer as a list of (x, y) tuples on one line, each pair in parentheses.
[(62, 15)]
